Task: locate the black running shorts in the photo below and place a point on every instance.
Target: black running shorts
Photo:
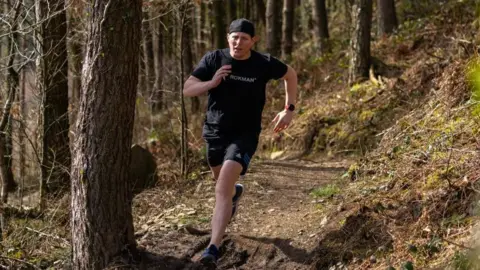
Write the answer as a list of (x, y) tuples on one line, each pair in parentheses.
[(240, 149)]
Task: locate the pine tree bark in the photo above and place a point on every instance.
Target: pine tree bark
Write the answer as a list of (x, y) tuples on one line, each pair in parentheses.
[(220, 33), (387, 17), (273, 27), (101, 221), (287, 28), (52, 82), (360, 44), (320, 25)]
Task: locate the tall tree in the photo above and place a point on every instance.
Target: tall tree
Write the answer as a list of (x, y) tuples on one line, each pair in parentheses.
[(187, 54), (148, 57), (287, 28), (347, 7), (185, 66), (387, 17), (320, 24), (261, 11), (52, 82), (273, 27), (101, 223), (158, 55), (219, 13), (231, 10), (12, 81), (247, 10), (202, 27), (74, 43), (360, 43)]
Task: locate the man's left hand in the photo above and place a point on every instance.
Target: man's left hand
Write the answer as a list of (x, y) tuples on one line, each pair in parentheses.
[(282, 120)]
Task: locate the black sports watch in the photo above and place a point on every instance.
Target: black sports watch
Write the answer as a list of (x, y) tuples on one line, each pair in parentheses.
[(290, 107)]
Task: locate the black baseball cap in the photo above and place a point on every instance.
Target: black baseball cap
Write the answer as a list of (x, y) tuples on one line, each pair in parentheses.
[(242, 25)]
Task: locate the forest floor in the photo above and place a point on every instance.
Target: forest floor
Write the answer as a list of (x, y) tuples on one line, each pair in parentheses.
[(278, 226)]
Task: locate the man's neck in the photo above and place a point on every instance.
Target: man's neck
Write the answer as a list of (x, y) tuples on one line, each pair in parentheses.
[(245, 57)]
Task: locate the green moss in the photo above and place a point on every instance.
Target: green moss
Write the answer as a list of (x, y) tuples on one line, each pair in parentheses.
[(433, 181), (325, 191)]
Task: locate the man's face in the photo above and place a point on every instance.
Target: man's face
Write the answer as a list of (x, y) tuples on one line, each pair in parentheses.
[(240, 44)]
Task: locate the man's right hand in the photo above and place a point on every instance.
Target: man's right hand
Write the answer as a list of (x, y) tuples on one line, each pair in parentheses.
[(219, 75)]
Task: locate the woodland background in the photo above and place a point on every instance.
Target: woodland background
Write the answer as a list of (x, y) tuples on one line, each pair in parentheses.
[(389, 85)]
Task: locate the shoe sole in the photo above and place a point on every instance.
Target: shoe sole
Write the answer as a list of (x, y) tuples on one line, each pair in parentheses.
[(208, 262)]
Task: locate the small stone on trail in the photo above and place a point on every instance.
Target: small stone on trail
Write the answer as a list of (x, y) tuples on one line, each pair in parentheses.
[(324, 221), (312, 235), (271, 210), (373, 259)]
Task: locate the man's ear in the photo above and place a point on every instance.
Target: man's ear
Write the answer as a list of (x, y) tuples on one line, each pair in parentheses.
[(256, 38)]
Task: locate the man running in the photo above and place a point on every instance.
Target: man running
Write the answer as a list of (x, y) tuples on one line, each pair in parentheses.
[(235, 79)]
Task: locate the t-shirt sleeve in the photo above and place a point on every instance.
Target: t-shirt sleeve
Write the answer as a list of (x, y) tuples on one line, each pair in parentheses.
[(204, 70), (277, 68)]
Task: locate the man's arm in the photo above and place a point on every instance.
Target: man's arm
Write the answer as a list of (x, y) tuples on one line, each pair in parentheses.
[(290, 86), (283, 118), (195, 87)]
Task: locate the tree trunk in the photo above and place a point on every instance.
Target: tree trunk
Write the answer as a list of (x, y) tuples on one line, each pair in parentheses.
[(12, 79), (232, 11), (220, 33), (188, 59), (348, 15), (273, 29), (22, 130), (52, 83), (148, 59), (102, 225), (158, 55), (360, 44), (320, 24), (202, 28), (185, 63), (261, 9), (247, 10), (75, 52), (287, 28), (387, 17)]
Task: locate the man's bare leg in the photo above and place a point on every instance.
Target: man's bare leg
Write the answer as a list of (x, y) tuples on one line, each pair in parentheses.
[(229, 174), (216, 172)]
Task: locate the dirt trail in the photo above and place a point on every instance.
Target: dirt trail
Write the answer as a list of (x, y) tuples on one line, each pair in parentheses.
[(277, 226)]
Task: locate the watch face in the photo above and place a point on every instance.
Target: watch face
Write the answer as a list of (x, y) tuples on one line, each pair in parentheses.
[(291, 107)]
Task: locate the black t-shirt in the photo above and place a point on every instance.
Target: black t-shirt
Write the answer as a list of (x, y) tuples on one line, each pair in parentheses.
[(235, 106)]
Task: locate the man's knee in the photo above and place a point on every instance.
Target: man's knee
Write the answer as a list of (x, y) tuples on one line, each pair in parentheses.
[(232, 168), (229, 174)]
